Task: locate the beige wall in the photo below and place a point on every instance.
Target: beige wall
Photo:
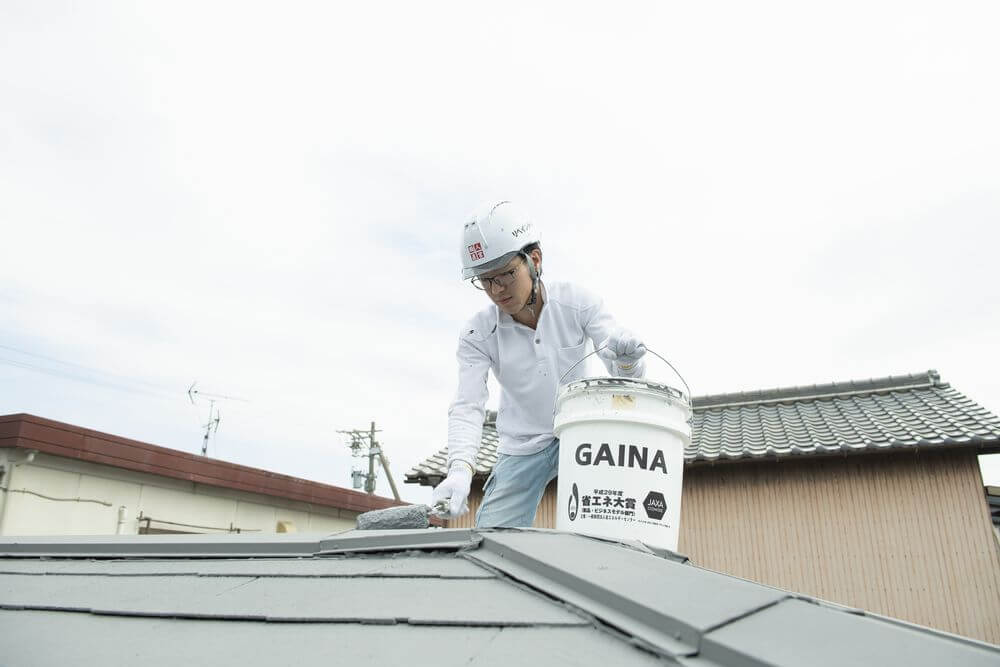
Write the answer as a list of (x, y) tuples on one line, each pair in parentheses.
[(906, 535), (159, 497)]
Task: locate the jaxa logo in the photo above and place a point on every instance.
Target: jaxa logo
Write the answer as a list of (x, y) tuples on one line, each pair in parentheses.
[(655, 505), (476, 251)]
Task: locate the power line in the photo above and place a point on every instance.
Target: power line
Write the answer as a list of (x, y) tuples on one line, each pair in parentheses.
[(55, 372), (66, 370), (134, 386), (87, 368)]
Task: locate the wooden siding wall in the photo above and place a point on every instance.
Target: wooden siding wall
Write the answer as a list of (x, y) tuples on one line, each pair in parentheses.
[(545, 517), (904, 535)]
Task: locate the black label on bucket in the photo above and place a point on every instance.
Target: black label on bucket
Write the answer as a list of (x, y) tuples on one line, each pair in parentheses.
[(574, 503), (607, 504), (655, 505)]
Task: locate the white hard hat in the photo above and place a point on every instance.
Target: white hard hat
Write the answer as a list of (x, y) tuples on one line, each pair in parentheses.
[(493, 236)]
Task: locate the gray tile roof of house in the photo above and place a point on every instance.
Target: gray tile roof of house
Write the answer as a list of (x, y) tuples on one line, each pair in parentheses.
[(441, 597), (993, 501), (860, 416)]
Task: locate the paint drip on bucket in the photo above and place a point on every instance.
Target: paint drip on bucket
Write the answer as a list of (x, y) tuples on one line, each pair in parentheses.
[(621, 459)]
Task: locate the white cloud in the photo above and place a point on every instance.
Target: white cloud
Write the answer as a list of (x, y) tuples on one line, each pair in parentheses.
[(267, 200)]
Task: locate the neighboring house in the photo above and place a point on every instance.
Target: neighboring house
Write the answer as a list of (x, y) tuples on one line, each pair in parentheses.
[(423, 597), (59, 479), (865, 493)]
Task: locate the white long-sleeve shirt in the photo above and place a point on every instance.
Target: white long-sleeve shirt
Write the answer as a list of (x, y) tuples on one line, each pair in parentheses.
[(528, 364)]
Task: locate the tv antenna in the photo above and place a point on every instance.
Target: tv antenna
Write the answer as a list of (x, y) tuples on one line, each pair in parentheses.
[(362, 444), (214, 414)]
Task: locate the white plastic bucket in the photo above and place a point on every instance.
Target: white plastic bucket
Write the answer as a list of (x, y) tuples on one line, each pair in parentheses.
[(621, 459)]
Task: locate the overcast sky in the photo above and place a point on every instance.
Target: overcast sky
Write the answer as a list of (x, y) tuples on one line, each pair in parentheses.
[(267, 199)]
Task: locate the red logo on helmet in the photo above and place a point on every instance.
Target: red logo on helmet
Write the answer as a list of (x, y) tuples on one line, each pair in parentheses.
[(476, 251)]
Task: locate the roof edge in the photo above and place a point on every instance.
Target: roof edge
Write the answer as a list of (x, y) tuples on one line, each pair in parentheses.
[(978, 447), (26, 431), (923, 380)]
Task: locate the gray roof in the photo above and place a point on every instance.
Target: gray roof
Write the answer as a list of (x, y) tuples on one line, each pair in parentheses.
[(860, 416), (993, 501), (442, 597)]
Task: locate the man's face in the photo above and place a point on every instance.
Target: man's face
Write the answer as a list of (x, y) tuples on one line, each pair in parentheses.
[(511, 297)]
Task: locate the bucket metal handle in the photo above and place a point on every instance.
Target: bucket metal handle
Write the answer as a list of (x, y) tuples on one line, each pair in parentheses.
[(650, 350)]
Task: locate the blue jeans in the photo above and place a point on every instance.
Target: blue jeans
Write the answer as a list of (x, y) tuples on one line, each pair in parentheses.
[(515, 487)]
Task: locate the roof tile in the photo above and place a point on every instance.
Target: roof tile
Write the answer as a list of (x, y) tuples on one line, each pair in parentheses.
[(894, 412), (567, 599)]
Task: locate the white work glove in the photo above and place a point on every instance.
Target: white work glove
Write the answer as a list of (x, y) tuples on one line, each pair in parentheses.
[(624, 348), (455, 489)]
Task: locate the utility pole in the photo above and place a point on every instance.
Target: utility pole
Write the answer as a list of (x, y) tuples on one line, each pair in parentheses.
[(362, 444), (370, 481)]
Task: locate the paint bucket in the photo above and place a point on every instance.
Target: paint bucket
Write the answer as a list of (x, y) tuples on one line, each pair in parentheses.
[(621, 458)]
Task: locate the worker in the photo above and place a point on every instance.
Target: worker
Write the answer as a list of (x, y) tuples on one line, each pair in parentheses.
[(530, 336)]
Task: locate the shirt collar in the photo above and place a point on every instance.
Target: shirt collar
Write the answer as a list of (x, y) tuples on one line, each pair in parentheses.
[(503, 319), (507, 321)]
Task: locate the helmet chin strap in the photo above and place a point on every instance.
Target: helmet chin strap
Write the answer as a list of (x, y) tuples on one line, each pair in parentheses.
[(534, 283)]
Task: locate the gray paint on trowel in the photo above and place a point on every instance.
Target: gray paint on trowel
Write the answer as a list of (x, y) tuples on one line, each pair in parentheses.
[(395, 518)]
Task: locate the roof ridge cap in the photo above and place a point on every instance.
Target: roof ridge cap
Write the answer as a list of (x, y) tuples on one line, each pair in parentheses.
[(930, 378)]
